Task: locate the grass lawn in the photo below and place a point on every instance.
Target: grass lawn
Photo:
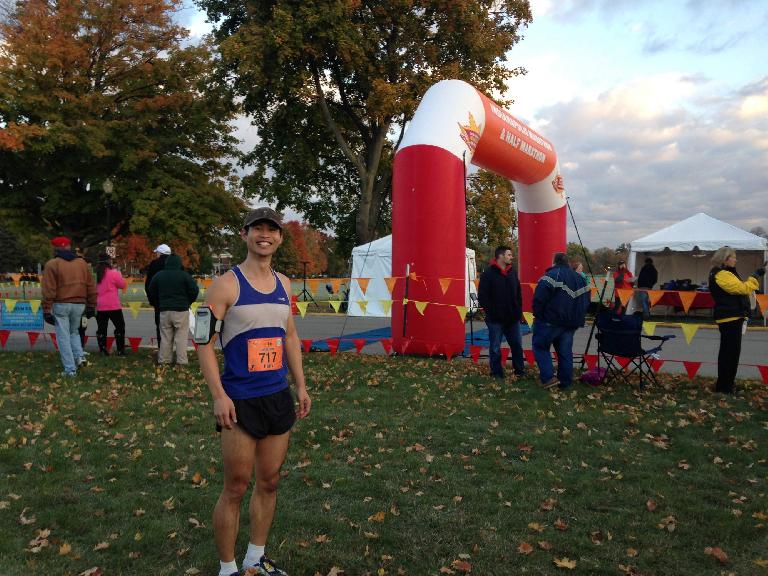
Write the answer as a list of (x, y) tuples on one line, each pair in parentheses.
[(405, 466)]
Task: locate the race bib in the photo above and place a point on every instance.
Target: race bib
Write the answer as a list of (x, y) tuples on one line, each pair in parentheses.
[(265, 354)]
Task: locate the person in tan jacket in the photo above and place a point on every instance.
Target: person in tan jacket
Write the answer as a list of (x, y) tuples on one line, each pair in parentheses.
[(69, 290)]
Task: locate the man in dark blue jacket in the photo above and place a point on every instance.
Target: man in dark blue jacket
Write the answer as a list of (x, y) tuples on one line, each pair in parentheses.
[(560, 304), (501, 299)]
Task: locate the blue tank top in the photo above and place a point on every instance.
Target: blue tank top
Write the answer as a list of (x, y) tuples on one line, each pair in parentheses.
[(253, 339)]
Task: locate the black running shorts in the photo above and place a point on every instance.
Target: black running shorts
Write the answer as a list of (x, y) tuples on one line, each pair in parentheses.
[(264, 416)]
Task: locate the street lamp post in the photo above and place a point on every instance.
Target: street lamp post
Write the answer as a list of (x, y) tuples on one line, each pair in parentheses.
[(108, 187)]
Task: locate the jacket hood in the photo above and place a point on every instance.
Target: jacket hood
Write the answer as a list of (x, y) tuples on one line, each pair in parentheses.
[(173, 262), (68, 255)]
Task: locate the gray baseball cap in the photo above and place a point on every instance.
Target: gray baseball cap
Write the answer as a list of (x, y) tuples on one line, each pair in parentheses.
[(263, 213)]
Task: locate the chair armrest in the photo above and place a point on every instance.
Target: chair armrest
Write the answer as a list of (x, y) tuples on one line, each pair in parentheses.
[(660, 338)]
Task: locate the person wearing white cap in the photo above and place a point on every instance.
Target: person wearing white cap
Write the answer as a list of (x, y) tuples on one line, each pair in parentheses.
[(163, 251)]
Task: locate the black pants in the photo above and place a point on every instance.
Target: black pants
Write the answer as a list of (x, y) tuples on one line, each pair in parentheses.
[(103, 317), (728, 356)]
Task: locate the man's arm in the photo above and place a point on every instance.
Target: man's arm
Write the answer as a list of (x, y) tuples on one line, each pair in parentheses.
[(293, 356), (49, 286), (221, 296)]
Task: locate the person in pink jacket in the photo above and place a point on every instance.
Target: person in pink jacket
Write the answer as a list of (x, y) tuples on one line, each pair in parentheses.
[(108, 307)]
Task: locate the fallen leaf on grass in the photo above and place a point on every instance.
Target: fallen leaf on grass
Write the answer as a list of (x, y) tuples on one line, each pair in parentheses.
[(336, 571), (525, 548), (65, 549), (378, 517), (24, 521), (95, 571), (631, 552), (461, 566), (717, 553), (561, 525), (548, 504), (565, 563), (536, 527), (544, 545), (101, 546), (651, 505)]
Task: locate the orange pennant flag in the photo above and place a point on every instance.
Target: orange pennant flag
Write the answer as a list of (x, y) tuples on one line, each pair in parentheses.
[(592, 292), (363, 283), (762, 301), (687, 299), (532, 286), (390, 283), (654, 296), (444, 284), (420, 306), (336, 285), (477, 283), (624, 295), (313, 285)]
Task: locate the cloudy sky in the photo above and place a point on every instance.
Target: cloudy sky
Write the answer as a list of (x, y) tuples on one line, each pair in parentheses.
[(658, 109)]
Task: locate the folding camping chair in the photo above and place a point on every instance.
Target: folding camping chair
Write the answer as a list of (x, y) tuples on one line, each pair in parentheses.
[(620, 336)]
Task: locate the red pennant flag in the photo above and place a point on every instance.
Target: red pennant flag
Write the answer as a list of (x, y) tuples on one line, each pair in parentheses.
[(54, 339), (623, 362), (307, 345), (764, 373), (85, 340), (504, 356), (591, 360), (406, 343), (195, 345), (110, 341), (359, 343), (32, 336), (474, 352), (333, 345), (448, 352), (294, 308), (4, 336), (431, 349), (387, 345), (529, 357), (656, 364), (134, 341), (691, 368)]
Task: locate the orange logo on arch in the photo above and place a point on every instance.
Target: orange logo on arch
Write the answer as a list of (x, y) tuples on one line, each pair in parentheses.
[(558, 185), (470, 133)]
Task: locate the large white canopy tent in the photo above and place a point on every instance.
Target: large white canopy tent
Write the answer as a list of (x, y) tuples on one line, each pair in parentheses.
[(683, 250), (374, 261)]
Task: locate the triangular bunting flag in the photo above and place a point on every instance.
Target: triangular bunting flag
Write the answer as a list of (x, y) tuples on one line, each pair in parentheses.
[(476, 281), (335, 304), (764, 373), (528, 318), (4, 337), (302, 306), (431, 347), (307, 345), (504, 356), (110, 341), (691, 368), (390, 282), (363, 304), (591, 360), (10, 304), (529, 357), (687, 299), (406, 343), (195, 345), (336, 285), (445, 283), (623, 362), (762, 301), (359, 343), (386, 343), (54, 339), (654, 296), (202, 291), (32, 336), (474, 352), (333, 345), (532, 286), (134, 306), (313, 285), (34, 305), (134, 342), (85, 341), (593, 292), (649, 327), (386, 306), (624, 295), (449, 353), (134, 290), (462, 310), (656, 364), (363, 283), (689, 330), (194, 306), (420, 306)]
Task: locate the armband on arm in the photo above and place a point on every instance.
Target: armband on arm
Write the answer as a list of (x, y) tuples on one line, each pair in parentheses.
[(206, 325)]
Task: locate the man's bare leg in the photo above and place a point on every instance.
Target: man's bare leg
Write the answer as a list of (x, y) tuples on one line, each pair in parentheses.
[(270, 454)]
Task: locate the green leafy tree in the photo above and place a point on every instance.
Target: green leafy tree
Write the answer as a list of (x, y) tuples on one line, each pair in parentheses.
[(90, 90), (330, 85), (602, 258), (491, 215)]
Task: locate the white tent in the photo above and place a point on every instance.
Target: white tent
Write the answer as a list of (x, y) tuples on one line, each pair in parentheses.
[(683, 250), (374, 261)]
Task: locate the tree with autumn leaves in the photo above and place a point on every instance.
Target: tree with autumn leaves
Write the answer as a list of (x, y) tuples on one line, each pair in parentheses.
[(97, 89), (331, 84)]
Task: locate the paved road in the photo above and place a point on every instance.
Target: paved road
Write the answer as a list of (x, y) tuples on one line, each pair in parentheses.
[(703, 347)]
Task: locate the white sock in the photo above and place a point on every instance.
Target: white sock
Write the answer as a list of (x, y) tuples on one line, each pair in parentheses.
[(252, 555), (228, 568)]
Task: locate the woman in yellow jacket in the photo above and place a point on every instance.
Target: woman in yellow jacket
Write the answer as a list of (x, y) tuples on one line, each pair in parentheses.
[(731, 296)]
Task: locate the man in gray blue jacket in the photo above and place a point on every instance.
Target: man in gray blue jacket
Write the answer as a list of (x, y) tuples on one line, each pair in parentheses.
[(560, 304)]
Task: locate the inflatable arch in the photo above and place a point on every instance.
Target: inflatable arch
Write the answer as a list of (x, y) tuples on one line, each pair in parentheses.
[(456, 125)]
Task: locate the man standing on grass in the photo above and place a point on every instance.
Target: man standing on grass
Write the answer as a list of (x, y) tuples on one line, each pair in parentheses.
[(502, 301), (252, 400), (69, 291), (157, 265), (560, 304)]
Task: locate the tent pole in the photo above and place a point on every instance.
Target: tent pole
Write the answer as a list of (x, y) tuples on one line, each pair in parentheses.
[(594, 322)]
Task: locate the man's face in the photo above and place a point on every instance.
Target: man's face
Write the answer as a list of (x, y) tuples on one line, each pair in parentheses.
[(263, 238), (506, 258)]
